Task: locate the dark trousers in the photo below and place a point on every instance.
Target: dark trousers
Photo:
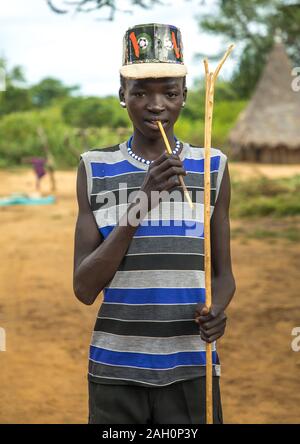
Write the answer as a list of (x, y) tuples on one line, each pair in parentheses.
[(178, 403)]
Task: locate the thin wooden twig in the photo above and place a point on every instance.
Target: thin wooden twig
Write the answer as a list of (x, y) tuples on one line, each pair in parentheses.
[(186, 193), (221, 63)]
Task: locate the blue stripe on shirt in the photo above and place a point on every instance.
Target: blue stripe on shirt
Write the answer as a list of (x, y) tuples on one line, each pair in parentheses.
[(197, 165), (150, 361), (155, 295), (114, 169), (147, 228)]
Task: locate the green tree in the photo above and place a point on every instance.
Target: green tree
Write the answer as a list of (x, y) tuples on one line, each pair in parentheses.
[(16, 96), (49, 89), (85, 112), (113, 6), (14, 76), (253, 25), (195, 105)]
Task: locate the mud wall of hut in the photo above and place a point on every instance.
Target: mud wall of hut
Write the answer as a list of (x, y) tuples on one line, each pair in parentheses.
[(278, 155)]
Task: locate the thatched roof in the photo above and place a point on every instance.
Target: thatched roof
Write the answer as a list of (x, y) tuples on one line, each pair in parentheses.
[(272, 117)]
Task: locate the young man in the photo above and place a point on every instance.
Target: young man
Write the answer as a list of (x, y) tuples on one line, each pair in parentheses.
[(147, 354)]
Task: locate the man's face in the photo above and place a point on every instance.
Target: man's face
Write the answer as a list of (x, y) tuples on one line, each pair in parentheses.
[(149, 100)]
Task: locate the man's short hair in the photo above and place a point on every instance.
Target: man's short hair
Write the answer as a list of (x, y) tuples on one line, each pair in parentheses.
[(123, 81)]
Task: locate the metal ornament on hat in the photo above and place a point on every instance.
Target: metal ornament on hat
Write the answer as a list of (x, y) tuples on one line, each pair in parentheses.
[(142, 44)]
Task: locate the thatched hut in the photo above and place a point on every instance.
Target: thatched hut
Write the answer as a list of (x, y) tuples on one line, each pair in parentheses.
[(268, 130)]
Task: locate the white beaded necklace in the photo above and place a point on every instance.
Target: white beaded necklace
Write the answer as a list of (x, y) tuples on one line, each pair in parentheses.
[(141, 159)]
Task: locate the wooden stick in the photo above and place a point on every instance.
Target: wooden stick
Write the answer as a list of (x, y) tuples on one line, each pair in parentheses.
[(207, 260), (186, 193), (210, 78), (221, 63)]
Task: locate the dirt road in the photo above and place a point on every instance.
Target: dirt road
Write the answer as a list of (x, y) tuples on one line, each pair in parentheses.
[(43, 370)]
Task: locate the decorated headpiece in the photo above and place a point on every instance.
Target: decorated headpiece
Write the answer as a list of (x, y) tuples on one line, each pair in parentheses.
[(153, 50)]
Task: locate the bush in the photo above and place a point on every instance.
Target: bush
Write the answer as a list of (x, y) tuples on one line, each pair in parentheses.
[(224, 117), (265, 197), (18, 137), (94, 112), (75, 124)]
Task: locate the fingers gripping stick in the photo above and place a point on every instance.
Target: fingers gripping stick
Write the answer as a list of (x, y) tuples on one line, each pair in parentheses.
[(186, 193)]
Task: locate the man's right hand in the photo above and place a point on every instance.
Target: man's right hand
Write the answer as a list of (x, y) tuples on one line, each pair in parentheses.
[(162, 175)]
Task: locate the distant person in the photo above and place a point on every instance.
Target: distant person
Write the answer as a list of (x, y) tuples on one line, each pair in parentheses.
[(50, 167), (50, 161), (38, 164)]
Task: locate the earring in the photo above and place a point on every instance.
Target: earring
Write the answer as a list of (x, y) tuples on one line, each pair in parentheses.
[(123, 104), (183, 104)]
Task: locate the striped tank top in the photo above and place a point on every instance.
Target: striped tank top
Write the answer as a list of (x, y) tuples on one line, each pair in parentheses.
[(145, 333)]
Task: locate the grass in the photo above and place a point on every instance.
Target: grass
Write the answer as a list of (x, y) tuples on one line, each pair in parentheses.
[(290, 233), (266, 197), (267, 209)]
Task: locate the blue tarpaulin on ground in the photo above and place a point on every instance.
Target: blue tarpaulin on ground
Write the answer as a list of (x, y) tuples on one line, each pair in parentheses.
[(24, 199)]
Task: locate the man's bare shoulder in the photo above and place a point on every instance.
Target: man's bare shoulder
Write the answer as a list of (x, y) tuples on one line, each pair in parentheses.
[(81, 187)]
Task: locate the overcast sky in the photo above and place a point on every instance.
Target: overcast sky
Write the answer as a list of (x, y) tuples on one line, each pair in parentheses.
[(78, 49)]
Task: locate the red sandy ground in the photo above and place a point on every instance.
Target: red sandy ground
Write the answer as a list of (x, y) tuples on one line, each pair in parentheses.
[(43, 370)]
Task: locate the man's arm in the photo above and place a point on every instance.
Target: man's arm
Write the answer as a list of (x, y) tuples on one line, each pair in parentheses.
[(95, 260), (212, 324)]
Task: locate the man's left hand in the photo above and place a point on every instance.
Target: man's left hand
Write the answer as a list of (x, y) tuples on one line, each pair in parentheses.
[(211, 322)]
